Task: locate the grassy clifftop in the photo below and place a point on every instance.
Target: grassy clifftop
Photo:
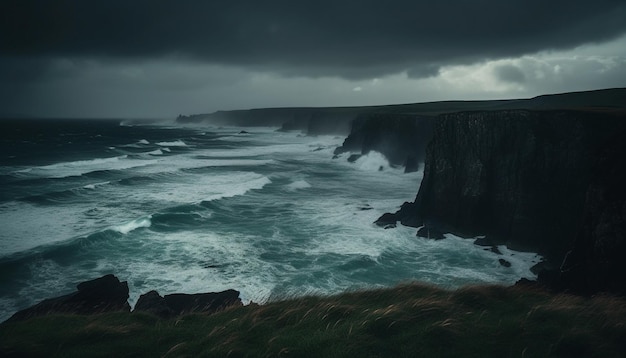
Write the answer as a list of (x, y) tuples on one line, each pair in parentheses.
[(409, 320)]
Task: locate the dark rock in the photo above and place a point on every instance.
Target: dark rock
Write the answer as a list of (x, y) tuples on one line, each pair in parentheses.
[(495, 250), (483, 241), (406, 216), (180, 303), (354, 157), (154, 303), (244, 132), (504, 263), (549, 181), (104, 294), (411, 164), (520, 175), (540, 266), (386, 219), (525, 282), (400, 137), (596, 261), (430, 233), (202, 302)]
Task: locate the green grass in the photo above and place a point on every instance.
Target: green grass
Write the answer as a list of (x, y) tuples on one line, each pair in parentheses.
[(411, 320)]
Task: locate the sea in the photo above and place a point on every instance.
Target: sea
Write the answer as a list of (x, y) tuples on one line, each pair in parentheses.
[(200, 208)]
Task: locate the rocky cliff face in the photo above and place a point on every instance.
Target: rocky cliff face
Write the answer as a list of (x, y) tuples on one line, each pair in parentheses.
[(547, 181), (402, 138)]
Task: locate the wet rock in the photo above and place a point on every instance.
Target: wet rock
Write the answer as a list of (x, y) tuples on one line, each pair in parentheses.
[(104, 294), (483, 241), (431, 233), (495, 250), (354, 157), (386, 220), (504, 263)]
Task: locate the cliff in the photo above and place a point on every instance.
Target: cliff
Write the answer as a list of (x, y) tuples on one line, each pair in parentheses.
[(402, 138), (337, 120), (546, 181)]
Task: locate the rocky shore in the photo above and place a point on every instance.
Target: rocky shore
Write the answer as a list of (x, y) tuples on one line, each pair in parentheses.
[(109, 294), (522, 173)]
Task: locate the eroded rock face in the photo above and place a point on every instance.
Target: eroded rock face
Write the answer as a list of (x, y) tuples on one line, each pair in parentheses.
[(546, 181), (597, 259), (180, 303), (518, 176), (401, 138), (104, 294)]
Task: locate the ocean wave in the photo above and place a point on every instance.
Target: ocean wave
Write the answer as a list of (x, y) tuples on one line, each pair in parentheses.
[(94, 185), (372, 161), (176, 143), (139, 144), (298, 184), (240, 189), (81, 167), (133, 225), (155, 152)]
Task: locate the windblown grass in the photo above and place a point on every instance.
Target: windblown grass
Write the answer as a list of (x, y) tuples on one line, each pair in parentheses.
[(410, 320)]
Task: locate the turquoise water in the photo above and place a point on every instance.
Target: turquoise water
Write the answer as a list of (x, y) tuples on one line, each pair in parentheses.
[(197, 209)]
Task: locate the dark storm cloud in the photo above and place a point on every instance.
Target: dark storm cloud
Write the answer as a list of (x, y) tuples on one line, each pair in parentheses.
[(349, 38)]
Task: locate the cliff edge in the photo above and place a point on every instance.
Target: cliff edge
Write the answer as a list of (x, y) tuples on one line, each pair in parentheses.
[(545, 181)]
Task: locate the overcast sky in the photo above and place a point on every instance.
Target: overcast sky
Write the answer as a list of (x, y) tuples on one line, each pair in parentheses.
[(156, 58)]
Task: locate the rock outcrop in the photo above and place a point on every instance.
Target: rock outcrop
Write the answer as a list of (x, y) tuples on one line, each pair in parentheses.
[(180, 303), (546, 181), (108, 294), (401, 138), (104, 294)]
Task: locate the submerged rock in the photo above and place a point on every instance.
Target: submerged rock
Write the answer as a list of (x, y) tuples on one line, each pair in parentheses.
[(104, 294), (504, 263)]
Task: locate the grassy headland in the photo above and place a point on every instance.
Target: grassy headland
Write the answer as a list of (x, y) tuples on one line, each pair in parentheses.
[(410, 320)]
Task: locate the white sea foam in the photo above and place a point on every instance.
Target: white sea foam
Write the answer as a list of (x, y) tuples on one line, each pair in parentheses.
[(298, 184), (139, 144), (176, 143), (180, 266), (189, 189), (155, 152), (234, 189), (279, 247), (94, 185), (81, 167), (26, 226), (372, 161), (133, 225)]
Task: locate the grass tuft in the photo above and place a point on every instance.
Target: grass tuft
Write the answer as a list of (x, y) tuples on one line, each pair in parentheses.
[(409, 320)]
